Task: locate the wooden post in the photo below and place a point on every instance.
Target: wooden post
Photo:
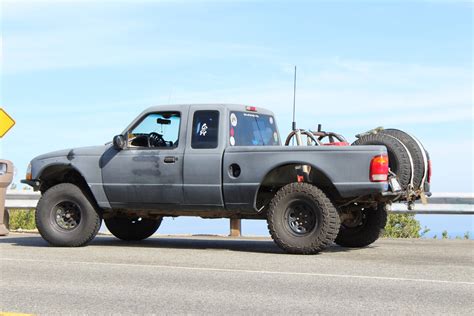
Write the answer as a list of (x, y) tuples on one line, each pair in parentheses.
[(235, 227)]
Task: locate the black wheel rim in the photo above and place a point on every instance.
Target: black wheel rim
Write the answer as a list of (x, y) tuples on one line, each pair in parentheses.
[(67, 215), (301, 218)]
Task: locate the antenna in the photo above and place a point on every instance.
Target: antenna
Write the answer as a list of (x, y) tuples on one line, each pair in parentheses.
[(293, 125)]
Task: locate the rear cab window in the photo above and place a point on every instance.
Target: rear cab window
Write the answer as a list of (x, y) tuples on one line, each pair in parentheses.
[(252, 129)]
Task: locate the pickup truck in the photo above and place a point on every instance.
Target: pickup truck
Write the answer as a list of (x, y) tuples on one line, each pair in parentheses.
[(212, 161)]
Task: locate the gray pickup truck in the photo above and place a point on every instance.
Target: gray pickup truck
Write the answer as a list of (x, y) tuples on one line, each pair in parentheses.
[(212, 161)]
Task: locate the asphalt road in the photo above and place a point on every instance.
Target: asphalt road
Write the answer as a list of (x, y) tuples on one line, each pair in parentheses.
[(209, 275)]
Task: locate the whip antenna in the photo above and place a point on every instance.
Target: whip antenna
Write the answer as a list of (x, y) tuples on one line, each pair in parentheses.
[(293, 125)]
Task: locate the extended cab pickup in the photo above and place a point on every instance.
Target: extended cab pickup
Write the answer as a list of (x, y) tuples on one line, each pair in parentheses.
[(212, 161)]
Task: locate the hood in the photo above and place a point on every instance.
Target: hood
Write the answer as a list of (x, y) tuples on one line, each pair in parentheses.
[(81, 151)]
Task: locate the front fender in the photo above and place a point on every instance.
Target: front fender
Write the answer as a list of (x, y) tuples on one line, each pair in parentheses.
[(86, 166)]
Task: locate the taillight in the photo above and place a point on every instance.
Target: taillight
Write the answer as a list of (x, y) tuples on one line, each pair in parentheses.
[(251, 108), (429, 171), (379, 168)]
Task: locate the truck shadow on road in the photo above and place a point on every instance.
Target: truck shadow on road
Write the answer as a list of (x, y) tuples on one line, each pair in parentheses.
[(189, 243)]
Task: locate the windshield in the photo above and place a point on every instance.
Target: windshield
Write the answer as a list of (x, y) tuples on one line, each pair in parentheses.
[(252, 129)]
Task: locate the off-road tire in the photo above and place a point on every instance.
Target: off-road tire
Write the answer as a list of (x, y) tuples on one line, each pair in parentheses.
[(415, 151), (132, 229), (323, 234), (398, 155), (51, 231), (368, 232)]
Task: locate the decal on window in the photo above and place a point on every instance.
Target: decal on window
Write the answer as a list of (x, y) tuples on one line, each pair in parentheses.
[(232, 141), (203, 131), (233, 119)]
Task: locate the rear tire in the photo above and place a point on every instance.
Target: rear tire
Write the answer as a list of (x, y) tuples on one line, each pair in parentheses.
[(365, 231), (66, 217), (302, 220), (132, 229)]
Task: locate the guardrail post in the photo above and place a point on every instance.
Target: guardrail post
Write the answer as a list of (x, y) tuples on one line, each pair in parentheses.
[(235, 227)]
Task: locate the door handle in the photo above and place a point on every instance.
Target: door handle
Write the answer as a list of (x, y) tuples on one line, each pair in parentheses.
[(170, 159)]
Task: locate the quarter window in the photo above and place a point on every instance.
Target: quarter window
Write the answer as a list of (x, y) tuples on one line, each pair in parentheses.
[(205, 130)]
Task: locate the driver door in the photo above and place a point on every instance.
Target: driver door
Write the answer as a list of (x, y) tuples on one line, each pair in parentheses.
[(149, 172)]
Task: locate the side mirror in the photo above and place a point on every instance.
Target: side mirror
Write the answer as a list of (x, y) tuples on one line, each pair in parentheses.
[(119, 142)]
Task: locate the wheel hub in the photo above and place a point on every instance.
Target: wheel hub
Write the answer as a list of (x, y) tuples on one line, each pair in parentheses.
[(301, 218), (67, 215)]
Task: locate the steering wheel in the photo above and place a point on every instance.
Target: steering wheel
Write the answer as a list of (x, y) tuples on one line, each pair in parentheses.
[(156, 140)]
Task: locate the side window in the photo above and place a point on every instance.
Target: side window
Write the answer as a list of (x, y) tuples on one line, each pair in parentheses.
[(205, 129), (156, 130)]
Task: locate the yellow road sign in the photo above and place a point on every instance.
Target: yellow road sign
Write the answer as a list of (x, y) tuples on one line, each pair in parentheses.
[(6, 122)]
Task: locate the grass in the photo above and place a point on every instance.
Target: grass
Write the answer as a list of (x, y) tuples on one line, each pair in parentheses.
[(20, 219)]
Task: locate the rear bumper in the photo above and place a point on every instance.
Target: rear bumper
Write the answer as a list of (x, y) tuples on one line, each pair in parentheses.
[(427, 189), (361, 189)]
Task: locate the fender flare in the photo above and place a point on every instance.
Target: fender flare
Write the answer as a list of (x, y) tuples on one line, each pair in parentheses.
[(290, 163)]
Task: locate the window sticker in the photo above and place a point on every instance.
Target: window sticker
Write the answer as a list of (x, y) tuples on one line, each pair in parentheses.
[(233, 119), (251, 115), (271, 120), (275, 136), (203, 131), (232, 141)]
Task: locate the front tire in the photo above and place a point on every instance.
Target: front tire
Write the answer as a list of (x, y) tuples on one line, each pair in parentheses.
[(302, 220), (365, 229), (132, 229), (66, 217)]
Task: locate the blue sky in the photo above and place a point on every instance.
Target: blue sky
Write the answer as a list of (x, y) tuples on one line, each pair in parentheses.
[(76, 73)]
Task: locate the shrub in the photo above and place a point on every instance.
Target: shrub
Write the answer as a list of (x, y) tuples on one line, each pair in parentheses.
[(22, 220), (403, 226)]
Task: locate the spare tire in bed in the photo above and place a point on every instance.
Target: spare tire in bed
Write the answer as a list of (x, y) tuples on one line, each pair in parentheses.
[(417, 152), (398, 155)]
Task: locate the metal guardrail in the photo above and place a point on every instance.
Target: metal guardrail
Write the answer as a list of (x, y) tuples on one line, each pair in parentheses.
[(21, 199), (441, 204), (438, 203)]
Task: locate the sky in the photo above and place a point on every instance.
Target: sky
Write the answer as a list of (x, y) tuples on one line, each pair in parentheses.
[(75, 73)]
